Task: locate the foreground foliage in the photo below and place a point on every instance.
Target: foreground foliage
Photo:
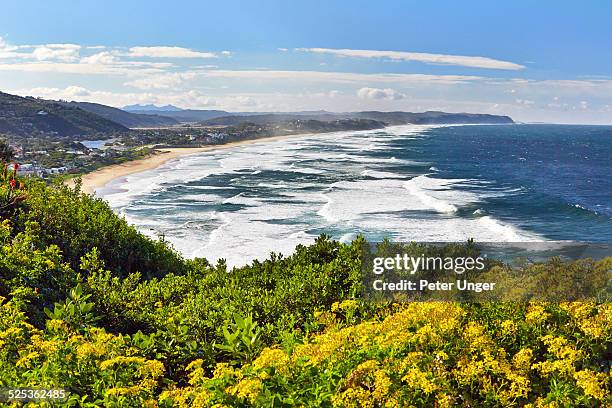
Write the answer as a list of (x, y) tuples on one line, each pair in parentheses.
[(89, 304), (428, 354)]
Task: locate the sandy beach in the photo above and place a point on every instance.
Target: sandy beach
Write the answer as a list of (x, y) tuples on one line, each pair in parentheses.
[(101, 177)]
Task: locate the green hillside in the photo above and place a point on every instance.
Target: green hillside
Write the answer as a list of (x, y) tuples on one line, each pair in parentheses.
[(127, 119), (30, 116)]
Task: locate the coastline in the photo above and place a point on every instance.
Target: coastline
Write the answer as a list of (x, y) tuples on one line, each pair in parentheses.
[(101, 177)]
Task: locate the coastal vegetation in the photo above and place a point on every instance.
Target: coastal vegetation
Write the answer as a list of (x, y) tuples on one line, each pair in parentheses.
[(90, 305)]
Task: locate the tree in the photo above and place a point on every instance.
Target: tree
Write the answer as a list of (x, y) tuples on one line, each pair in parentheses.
[(6, 152)]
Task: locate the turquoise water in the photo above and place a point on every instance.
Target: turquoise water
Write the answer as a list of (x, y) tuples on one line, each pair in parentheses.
[(424, 183)]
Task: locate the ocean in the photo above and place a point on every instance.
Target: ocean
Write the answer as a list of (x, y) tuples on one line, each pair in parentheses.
[(493, 183)]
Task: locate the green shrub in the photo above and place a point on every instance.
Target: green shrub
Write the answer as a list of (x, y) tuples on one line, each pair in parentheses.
[(128, 322), (76, 223)]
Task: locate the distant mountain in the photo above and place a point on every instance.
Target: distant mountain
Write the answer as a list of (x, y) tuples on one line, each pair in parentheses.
[(21, 116), (151, 108), (389, 118), (433, 118), (269, 118), (128, 119), (187, 115)]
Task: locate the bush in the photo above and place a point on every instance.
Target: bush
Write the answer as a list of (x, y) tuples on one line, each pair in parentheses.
[(76, 223), (429, 354), (117, 319)]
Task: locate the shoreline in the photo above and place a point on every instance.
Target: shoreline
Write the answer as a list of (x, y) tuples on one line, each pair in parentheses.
[(101, 177)]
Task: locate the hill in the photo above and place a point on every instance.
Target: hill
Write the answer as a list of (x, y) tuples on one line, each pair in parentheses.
[(27, 116), (434, 117), (150, 107), (389, 118), (180, 115), (127, 119)]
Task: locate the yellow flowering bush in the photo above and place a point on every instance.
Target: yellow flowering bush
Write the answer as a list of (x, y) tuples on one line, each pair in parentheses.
[(90, 305), (433, 354), (103, 366)]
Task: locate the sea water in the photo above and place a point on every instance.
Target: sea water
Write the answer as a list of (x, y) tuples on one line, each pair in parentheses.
[(426, 183)]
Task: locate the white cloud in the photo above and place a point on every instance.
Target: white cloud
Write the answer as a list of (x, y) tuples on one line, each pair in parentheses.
[(83, 69), (168, 52), (340, 77), (61, 52), (161, 81), (377, 93), (128, 79), (104, 57), (427, 58), (525, 102), (45, 52), (283, 49), (190, 99), (77, 91), (246, 101)]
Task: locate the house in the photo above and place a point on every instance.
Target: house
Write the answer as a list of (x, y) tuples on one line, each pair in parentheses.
[(17, 150), (58, 170)]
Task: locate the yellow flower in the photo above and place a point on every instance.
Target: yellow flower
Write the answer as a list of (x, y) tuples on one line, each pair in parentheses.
[(382, 383), (536, 314), (519, 386), (246, 388), (440, 355), (508, 327), (354, 398), (591, 327), (443, 400), (271, 357), (566, 356), (26, 360), (151, 404), (222, 370), (522, 359), (85, 350), (195, 364), (118, 391), (349, 304), (57, 325), (417, 379), (152, 368), (121, 360), (201, 400), (591, 383)]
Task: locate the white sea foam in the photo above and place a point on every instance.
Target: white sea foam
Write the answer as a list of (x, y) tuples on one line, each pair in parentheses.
[(343, 183), (381, 174), (272, 185), (506, 231)]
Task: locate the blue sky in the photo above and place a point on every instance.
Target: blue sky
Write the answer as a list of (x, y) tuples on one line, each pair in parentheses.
[(536, 61)]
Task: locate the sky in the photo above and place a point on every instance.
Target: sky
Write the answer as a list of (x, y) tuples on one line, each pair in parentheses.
[(544, 61)]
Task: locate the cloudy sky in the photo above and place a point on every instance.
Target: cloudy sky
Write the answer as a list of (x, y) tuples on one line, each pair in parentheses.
[(536, 61)]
